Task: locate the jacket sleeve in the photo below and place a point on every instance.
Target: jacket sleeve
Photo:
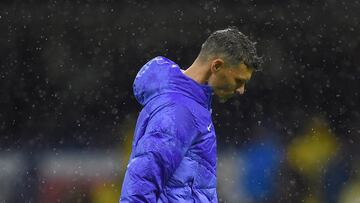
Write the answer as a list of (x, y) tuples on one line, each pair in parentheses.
[(158, 153)]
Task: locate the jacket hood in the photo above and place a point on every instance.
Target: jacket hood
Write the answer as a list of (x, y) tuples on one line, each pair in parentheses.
[(160, 75)]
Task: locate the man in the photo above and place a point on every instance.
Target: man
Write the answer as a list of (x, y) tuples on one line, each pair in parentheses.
[(173, 156)]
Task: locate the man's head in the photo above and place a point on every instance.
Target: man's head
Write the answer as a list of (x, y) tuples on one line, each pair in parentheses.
[(232, 58)]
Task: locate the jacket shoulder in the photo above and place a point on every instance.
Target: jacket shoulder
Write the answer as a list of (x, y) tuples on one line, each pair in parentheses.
[(172, 118)]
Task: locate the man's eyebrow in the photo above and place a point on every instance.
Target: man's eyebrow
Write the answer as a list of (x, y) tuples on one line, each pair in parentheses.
[(248, 65)]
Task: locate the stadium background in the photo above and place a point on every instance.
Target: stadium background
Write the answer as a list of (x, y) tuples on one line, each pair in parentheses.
[(67, 112)]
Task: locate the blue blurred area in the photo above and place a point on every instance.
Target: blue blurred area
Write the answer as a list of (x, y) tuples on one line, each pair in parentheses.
[(335, 178), (261, 160)]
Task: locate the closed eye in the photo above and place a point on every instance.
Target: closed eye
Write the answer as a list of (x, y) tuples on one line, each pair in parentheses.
[(240, 81)]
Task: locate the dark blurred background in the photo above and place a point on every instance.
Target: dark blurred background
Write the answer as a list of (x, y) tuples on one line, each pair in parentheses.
[(67, 110)]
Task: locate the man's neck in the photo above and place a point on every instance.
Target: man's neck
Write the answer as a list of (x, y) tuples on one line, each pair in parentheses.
[(198, 71)]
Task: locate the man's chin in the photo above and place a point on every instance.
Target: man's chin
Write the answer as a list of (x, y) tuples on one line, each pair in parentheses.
[(223, 99)]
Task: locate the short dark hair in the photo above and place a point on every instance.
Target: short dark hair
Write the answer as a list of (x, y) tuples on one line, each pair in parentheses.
[(233, 45)]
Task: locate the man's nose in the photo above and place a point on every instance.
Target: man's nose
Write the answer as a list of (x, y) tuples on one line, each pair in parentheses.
[(241, 90)]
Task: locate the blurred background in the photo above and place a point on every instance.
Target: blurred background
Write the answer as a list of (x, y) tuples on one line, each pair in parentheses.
[(67, 110)]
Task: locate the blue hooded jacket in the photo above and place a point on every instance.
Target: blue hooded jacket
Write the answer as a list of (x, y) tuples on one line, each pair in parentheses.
[(173, 156)]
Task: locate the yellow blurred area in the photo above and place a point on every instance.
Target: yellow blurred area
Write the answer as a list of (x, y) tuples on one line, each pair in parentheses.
[(311, 199), (108, 192), (351, 193), (309, 153)]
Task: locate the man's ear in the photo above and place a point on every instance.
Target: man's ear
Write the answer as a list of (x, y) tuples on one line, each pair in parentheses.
[(216, 65)]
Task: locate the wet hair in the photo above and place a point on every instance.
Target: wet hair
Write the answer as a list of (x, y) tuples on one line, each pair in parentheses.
[(233, 45)]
